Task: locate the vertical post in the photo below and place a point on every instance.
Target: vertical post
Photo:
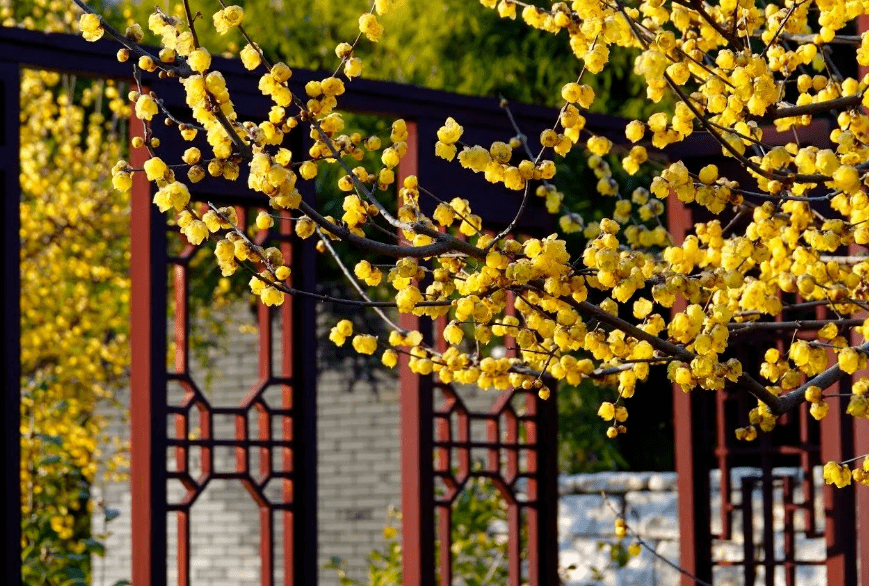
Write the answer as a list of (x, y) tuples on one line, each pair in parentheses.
[(181, 287), (300, 363), (861, 429), (264, 424), (417, 456), (542, 517), (837, 444), (861, 426), (695, 540), (11, 324), (417, 478), (750, 571), (147, 378)]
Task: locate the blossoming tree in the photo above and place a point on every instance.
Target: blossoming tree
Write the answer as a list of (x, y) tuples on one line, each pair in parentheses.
[(732, 68), (74, 306)]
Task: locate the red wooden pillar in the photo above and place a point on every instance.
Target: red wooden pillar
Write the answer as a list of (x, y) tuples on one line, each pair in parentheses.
[(860, 522), (861, 429), (542, 516), (689, 425), (837, 441), (147, 378), (416, 405), (419, 505)]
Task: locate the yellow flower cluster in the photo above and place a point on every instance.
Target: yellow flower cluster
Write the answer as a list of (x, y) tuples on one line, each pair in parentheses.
[(370, 275), (860, 474), (448, 135), (837, 474), (341, 331), (91, 27), (75, 295), (370, 27), (495, 166), (227, 19)]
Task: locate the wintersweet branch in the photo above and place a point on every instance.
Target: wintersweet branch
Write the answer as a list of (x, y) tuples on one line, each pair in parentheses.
[(394, 250), (657, 343), (355, 284), (798, 396), (282, 286), (747, 382), (803, 325), (824, 107), (181, 69), (761, 255)]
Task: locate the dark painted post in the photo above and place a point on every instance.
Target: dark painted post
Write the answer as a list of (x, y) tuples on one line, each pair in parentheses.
[(9, 170), (861, 426), (300, 361)]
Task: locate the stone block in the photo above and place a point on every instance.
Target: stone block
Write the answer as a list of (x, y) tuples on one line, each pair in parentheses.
[(241, 573), (580, 558), (810, 549), (639, 571), (198, 561), (726, 551), (663, 482), (666, 574), (811, 575), (565, 484), (582, 515), (608, 482), (654, 515), (730, 576)]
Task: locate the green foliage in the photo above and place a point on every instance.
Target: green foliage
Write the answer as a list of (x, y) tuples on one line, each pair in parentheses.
[(619, 556), (57, 546), (453, 45), (582, 442), (479, 553)]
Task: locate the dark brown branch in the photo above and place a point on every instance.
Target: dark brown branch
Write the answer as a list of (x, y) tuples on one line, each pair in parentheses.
[(816, 108), (657, 343), (355, 284), (746, 382), (243, 149), (190, 23), (854, 40), (697, 5), (809, 324), (796, 397), (393, 250)]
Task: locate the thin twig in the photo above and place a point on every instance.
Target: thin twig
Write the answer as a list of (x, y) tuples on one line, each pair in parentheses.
[(352, 279), (181, 69), (648, 547)]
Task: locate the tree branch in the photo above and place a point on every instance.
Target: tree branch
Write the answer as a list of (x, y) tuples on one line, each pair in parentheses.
[(798, 396), (824, 107), (393, 250), (808, 324)]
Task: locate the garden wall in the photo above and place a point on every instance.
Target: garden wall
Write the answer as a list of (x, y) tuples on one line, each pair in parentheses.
[(649, 502)]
